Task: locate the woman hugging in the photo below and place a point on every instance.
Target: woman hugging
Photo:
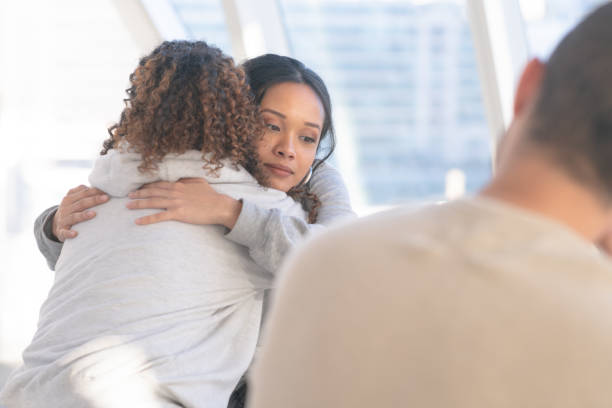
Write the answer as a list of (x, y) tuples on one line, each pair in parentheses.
[(163, 308)]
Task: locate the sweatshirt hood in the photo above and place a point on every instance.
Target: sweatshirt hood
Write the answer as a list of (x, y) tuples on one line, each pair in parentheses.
[(117, 174)]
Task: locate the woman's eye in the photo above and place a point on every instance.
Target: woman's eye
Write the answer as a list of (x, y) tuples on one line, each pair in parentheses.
[(273, 127), (309, 139)]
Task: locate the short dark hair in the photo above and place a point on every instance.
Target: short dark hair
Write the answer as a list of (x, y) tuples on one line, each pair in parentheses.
[(572, 117), (268, 70)]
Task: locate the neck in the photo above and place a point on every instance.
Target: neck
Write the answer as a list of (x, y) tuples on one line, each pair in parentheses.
[(536, 184)]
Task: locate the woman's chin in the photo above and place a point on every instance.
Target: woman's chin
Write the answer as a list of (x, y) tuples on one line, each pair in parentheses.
[(279, 186)]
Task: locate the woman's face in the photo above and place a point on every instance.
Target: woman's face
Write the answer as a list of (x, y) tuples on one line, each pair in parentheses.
[(294, 118)]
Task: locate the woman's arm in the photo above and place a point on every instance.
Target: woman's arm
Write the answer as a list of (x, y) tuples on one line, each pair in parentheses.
[(269, 235), (53, 226)]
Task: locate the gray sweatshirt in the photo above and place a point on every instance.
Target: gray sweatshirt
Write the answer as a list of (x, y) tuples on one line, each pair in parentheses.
[(267, 233), (147, 315)]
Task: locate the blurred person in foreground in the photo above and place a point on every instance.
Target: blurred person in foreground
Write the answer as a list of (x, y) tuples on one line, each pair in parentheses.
[(499, 300)]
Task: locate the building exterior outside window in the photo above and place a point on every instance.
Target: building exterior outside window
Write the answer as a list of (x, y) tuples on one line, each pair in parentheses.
[(404, 83)]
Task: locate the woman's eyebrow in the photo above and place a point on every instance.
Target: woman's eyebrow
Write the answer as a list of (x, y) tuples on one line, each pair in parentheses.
[(311, 124), (277, 113), (272, 111)]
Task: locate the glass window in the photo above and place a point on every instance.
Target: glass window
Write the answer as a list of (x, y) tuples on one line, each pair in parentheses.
[(204, 20), (547, 21), (404, 84)]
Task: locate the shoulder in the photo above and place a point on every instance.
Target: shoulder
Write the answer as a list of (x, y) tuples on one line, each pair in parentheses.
[(325, 173), (385, 242), (383, 226), (350, 248), (326, 168)]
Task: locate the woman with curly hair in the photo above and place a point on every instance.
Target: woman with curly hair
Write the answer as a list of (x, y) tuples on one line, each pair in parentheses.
[(276, 82), (168, 314), (285, 91), (290, 97)]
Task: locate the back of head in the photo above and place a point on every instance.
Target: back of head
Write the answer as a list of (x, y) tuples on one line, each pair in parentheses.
[(268, 70), (572, 117), (188, 95)]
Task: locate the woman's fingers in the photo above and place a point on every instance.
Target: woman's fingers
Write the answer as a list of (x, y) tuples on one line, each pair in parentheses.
[(87, 202), (157, 203), (77, 189), (76, 217), (165, 185), (83, 198), (192, 180), (65, 234), (155, 218), (150, 192), (72, 195), (73, 209), (189, 200), (81, 192)]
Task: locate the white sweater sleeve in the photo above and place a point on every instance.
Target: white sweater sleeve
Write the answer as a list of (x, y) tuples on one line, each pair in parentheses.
[(269, 235)]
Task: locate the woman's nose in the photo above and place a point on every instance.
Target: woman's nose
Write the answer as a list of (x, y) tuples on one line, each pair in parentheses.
[(284, 147)]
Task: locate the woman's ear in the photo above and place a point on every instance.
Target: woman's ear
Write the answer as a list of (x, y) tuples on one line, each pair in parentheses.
[(529, 85)]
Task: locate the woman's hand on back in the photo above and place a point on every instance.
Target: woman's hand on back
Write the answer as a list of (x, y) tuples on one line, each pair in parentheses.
[(75, 208), (190, 200)]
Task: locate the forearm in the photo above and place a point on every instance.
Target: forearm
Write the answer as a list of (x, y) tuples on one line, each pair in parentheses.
[(48, 246), (269, 235)]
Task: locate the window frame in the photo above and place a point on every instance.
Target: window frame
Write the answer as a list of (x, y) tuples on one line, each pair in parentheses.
[(498, 33)]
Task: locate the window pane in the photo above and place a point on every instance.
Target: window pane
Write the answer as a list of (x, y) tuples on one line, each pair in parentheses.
[(406, 94), (547, 21), (204, 20)]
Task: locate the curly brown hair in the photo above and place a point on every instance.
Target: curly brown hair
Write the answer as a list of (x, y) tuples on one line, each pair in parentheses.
[(309, 200), (189, 95)]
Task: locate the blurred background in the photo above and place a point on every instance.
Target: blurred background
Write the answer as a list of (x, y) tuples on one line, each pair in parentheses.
[(421, 89)]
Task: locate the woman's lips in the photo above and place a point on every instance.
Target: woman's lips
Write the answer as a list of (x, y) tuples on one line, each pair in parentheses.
[(279, 170)]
